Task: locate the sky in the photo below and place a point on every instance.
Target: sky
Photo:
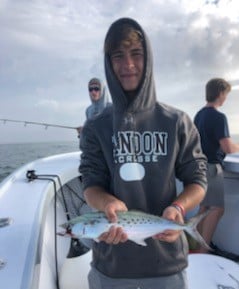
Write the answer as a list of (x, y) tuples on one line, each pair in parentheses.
[(49, 49)]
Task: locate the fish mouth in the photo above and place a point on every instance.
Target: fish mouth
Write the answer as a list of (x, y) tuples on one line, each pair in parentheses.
[(66, 234)]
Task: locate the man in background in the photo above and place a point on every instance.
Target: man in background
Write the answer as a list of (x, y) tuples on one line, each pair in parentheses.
[(99, 99)]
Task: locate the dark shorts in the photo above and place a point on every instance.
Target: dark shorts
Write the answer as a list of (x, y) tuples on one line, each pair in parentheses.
[(100, 281), (215, 192)]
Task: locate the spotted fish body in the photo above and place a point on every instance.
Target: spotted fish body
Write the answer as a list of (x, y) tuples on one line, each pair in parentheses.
[(137, 225)]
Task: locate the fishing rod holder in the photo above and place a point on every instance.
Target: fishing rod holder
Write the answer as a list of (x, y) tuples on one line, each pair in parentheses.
[(31, 175), (2, 263)]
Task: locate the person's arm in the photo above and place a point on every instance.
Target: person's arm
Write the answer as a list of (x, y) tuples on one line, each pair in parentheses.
[(191, 170), (99, 199), (190, 197), (228, 146)]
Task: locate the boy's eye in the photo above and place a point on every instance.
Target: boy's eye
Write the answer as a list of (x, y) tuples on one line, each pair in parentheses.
[(117, 55), (137, 52)]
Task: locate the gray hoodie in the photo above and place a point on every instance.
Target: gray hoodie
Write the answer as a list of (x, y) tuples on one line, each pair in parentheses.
[(135, 150)]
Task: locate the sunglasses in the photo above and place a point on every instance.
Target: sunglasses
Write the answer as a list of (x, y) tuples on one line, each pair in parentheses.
[(96, 88)]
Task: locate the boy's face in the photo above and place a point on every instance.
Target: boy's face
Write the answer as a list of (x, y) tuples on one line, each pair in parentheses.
[(128, 65), (222, 97)]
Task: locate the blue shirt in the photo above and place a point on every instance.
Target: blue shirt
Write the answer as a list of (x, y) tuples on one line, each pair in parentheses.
[(212, 126)]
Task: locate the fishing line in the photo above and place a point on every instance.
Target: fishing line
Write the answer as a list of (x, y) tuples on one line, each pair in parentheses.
[(83, 202)]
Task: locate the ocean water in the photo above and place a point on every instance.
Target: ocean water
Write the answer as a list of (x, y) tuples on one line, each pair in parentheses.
[(12, 156)]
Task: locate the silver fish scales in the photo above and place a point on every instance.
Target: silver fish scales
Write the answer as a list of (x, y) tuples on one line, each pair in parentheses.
[(137, 225)]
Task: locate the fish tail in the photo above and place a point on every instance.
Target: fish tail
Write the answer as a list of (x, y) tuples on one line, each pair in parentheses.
[(191, 229)]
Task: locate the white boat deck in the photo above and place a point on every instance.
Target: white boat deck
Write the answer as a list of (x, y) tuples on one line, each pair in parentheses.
[(26, 204)]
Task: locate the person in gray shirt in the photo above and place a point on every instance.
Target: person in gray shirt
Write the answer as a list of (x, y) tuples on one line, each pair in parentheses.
[(99, 99)]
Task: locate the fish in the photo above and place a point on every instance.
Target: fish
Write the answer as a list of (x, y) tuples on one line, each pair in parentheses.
[(136, 224)]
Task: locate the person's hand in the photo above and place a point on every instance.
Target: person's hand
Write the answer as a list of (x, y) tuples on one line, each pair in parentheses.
[(116, 234), (170, 236), (79, 129)]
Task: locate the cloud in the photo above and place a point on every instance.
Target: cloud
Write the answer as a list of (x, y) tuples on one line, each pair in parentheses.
[(48, 104), (50, 49)]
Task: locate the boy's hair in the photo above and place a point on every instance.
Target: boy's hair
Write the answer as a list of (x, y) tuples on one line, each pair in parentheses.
[(124, 34), (214, 87)]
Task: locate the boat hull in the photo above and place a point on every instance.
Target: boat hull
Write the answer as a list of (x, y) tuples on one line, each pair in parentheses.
[(31, 252), (226, 236)]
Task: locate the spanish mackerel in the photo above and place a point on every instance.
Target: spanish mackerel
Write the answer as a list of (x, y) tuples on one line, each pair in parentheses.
[(137, 225)]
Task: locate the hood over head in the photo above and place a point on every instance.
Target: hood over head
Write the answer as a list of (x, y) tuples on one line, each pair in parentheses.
[(145, 97), (97, 106)]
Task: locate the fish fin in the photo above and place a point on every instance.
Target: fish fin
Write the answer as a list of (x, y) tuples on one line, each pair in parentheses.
[(191, 229), (139, 242)]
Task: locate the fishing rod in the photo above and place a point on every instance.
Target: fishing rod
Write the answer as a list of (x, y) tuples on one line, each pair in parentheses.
[(46, 125)]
